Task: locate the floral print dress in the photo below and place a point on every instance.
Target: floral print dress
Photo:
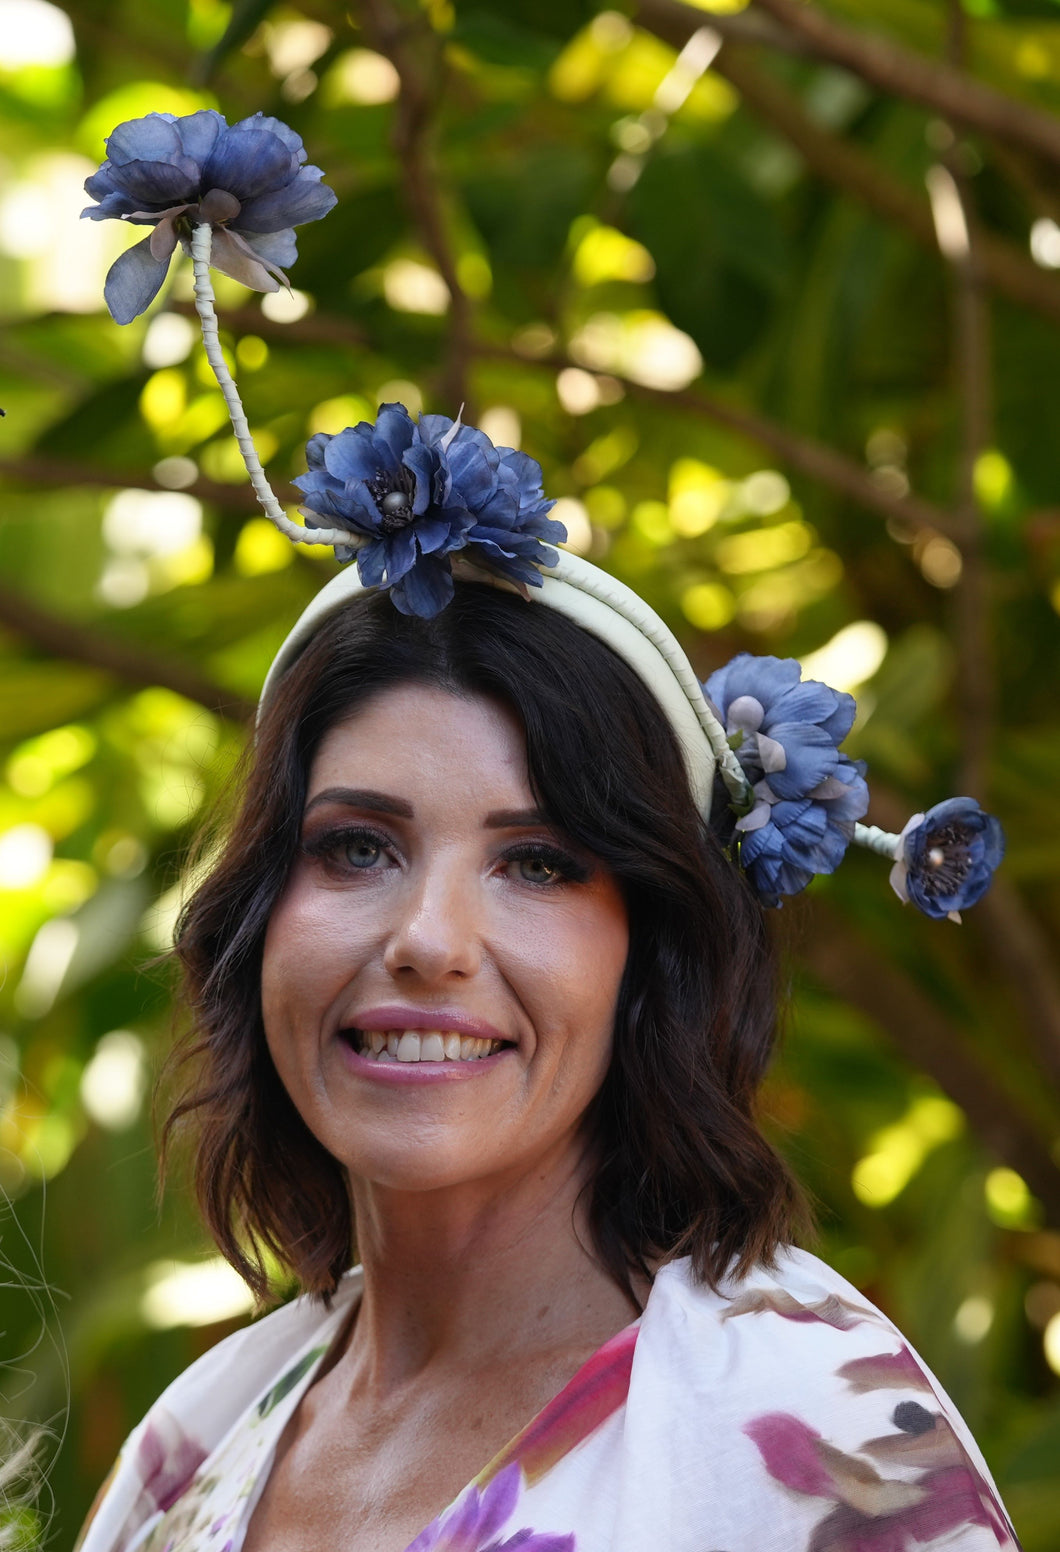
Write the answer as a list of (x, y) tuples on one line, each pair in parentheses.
[(782, 1414)]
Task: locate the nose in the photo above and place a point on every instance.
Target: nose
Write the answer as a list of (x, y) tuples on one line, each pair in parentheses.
[(435, 932)]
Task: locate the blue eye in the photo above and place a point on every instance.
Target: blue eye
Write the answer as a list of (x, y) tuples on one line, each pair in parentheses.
[(545, 866), (362, 851), (538, 870)]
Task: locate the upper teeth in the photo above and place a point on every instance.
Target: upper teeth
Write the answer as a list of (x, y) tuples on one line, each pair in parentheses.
[(423, 1045)]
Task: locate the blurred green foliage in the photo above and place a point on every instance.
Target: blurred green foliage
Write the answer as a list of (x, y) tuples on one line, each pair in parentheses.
[(755, 387)]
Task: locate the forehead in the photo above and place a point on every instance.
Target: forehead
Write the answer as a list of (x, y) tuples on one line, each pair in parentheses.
[(419, 735)]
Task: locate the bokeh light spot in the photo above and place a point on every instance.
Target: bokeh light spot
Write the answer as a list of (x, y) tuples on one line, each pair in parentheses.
[(574, 515), (973, 1319), (849, 658), (261, 548), (360, 76), (708, 606), (32, 32), (114, 1081), (25, 852), (412, 287), (193, 1294), (286, 306)]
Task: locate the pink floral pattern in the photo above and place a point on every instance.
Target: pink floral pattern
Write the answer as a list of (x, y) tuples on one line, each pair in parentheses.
[(784, 1415), (931, 1489)]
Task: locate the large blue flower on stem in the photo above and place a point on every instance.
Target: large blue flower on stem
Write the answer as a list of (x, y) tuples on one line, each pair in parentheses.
[(807, 796), (247, 181), (416, 492), (945, 859)]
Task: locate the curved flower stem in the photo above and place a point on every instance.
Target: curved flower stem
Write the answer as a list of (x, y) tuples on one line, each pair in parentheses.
[(880, 841), (204, 306)]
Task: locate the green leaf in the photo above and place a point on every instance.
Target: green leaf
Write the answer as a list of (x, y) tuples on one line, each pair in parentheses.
[(287, 1383)]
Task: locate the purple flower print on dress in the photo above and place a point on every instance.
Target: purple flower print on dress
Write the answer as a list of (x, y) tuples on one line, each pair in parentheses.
[(475, 1521), (167, 1459)]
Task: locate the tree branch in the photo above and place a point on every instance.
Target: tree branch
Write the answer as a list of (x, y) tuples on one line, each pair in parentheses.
[(842, 163), (809, 457), (1028, 959), (416, 52), (903, 73), (858, 974), (34, 472), (129, 662), (958, 240), (1011, 933), (313, 329), (802, 453), (749, 26)]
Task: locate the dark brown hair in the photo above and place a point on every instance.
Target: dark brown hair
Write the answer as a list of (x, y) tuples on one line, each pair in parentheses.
[(679, 1164)]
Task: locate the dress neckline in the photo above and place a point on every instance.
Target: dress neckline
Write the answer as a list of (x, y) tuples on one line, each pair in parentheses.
[(597, 1389)]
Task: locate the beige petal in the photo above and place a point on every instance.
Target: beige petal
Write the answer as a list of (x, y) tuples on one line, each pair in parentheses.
[(832, 1310), (164, 236), (860, 1485), (925, 1451), (232, 257), (218, 205)]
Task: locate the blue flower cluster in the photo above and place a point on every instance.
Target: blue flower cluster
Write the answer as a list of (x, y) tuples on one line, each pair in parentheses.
[(807, 796), (248, 181), (945, 859), (416, 492)]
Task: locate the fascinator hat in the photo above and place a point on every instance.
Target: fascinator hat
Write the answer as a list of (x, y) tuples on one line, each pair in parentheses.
[(406, 504)]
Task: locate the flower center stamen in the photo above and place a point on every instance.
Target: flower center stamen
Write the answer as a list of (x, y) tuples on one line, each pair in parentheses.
[(394, 502), (949, 861)]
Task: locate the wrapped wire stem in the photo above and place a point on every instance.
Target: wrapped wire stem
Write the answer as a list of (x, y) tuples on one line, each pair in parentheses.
[(204, 306), (882, 842)]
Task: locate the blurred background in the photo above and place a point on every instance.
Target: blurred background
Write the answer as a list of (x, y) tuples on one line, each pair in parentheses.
[(771, 290)]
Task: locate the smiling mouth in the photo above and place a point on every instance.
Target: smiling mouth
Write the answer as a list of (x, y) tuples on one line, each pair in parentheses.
[(421, 1045)]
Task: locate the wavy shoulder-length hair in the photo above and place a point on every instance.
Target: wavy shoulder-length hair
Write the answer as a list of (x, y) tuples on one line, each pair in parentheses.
[(678, 1164)]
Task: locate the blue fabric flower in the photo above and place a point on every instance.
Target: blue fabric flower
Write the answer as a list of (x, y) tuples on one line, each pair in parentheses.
[(807, 796), (784, 842), (779, 725), (248, 180), (416, 492), (945, 859)]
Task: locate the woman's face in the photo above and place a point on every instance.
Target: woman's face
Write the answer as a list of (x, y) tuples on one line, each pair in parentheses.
[(432, 911)]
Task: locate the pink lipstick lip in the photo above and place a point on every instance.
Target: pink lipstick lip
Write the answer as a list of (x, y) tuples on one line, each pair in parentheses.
[(393, 1016)]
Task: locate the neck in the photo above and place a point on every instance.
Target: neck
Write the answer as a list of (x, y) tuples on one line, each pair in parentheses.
[(486, 1271)]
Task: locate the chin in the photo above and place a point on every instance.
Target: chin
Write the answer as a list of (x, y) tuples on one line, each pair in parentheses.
[(414, 1164)]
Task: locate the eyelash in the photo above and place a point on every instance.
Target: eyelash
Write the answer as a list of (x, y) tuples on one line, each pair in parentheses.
[(326, 846), (328, 843), (569, 870)]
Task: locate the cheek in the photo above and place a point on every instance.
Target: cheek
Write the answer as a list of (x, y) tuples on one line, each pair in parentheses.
[(300, 965), (572, 970)]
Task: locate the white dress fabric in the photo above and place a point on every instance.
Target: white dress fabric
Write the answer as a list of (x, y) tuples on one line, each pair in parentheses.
[(782, 1414)]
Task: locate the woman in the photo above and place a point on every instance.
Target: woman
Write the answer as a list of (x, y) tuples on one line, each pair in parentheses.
[(478, 988)]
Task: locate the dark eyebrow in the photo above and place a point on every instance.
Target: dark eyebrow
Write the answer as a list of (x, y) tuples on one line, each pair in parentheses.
[(361, 797), (514, 818)]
